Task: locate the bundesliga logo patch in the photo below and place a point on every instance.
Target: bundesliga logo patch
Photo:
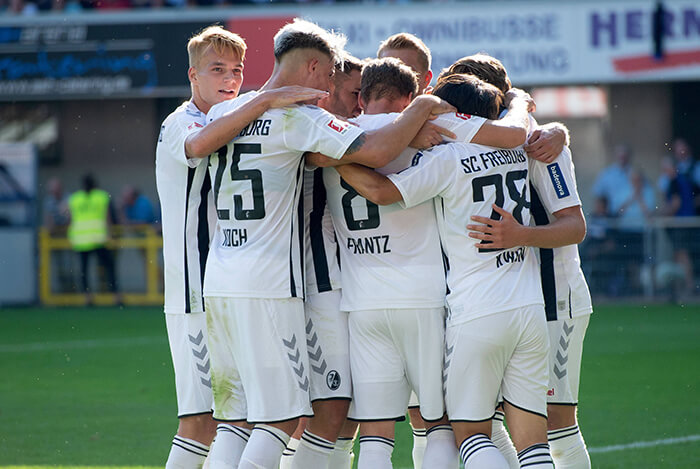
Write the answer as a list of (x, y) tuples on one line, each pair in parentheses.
[(338, 126), (463, 116), (558, 180)]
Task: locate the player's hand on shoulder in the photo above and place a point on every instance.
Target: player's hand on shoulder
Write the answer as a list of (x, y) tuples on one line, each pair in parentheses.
[(514, 94), (505, 233), (430, 135), (435, 105), (544, 145), (288, 95)]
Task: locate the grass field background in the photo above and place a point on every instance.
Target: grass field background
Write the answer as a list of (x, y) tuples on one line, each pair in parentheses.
[(94, 387)]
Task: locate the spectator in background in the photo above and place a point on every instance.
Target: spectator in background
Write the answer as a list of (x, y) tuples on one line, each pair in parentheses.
[(135, 208), (637, 208), (599, 250), (680, 200), (613, 183), (686, 164), (88, 232), (56, 216)]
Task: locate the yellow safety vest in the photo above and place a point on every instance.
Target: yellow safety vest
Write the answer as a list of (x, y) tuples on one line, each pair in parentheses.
[(88, 219)]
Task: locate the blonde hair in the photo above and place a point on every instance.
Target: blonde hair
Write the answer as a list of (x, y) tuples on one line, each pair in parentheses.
[(217, 38), (302, 34), (408, 41)]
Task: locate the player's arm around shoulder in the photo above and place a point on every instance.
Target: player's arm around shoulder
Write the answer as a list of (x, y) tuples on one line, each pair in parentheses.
[(510, 131), (379, 147), (224, 128), (370, 184), (547, 141)]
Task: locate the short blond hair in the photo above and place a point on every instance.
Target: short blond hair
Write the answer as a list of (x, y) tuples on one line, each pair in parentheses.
[(217, 38), (302, 34), (408, 41)]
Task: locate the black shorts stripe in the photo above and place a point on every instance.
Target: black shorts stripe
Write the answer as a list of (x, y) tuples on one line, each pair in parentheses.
[(318, 251), (549, 287), (524, 409)]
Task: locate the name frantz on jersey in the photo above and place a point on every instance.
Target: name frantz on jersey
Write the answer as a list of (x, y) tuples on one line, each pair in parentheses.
[(369, 245), (495, 158)]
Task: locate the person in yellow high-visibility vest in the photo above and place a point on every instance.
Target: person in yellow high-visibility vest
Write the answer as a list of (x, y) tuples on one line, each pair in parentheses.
[(88, 231)]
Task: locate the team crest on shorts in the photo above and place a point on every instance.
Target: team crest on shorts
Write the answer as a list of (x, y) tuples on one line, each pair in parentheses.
[(333, 380)]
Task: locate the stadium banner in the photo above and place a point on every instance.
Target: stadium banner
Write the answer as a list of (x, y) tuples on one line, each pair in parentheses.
[(142, 53)]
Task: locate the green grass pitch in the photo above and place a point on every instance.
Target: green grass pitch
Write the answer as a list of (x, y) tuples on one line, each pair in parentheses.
[(94, 387)]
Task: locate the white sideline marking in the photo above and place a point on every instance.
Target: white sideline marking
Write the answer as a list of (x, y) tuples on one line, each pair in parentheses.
[(644, 444), (80, 344)]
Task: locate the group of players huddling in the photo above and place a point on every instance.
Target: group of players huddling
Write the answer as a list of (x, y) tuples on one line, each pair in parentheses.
[(424, 206)]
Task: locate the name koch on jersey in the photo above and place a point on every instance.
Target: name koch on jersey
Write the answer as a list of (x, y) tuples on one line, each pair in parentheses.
[(564, 286), (465, 180), (188, 216), (257, 179)]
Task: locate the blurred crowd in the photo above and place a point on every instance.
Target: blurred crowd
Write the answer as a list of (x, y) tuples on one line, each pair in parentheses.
[(31, 7), (624, 254), (86, 217)]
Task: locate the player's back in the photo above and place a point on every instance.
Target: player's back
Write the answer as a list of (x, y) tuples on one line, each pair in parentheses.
[(390, 256), (468, 179), (257, 247)]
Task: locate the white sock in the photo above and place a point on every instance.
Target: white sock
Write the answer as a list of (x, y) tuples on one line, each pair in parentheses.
[(479, 452), (342, 455), (186, 454), (375, 452), (313, 451), (228, 446), (502, 440), (536, 457), (440, 450), (419, 443), (264, 448), (568, 448), (288, 454)]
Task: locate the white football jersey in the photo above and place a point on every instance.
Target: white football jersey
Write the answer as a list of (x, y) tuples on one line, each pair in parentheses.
[(257, 247), (564, 286), (390, 256), (322, 270), (187, 207), (466, 179)]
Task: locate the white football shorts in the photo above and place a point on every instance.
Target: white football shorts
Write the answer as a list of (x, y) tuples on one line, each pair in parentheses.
[(394, 351), (327, 343), (566, 341), (506, 351), (258, 355), (187, 335)]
